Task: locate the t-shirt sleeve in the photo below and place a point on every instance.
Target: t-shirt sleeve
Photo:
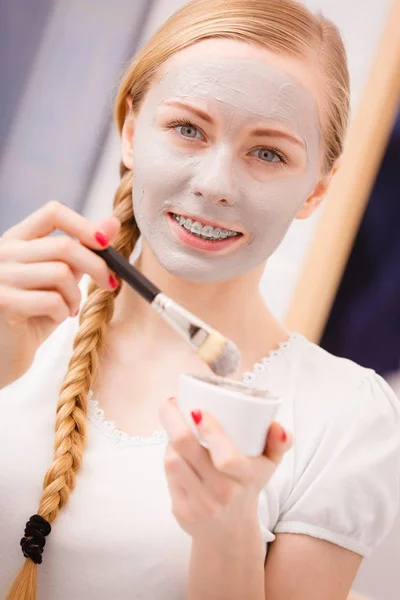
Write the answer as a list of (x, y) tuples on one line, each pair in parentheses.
[(347, 474)]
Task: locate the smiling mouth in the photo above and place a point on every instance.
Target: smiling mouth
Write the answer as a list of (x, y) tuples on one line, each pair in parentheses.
[(204, 231)]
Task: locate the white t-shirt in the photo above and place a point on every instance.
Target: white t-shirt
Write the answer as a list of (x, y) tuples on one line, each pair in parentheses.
[(117, 537)]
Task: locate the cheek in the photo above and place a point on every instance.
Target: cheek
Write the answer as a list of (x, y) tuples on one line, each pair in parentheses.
[(270, 209), (278, 198), (159, 171)]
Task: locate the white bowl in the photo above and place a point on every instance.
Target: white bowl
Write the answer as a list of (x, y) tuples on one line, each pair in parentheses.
[(244, 412)]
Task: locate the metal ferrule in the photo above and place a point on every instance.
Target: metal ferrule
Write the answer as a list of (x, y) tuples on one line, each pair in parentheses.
[(183, 321)]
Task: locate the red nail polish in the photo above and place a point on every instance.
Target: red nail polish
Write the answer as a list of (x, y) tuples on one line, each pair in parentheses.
[(101, 239), (196, 416), (113, 282), (283, 435)]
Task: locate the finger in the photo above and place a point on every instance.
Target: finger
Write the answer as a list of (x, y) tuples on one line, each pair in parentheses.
[(224, 455), (278, 442), (55, 215), (110, 226), (217, 484), (184, 441), (181, 475), (62, 248), (43, 276), (34, 303), (178, 495)]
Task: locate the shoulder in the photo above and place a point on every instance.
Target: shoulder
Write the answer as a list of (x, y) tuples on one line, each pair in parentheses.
[(346, 454), (332, 385), (319, 369), (338, 404)]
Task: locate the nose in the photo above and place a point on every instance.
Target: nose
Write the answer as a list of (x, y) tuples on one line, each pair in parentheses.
[(214, 179)]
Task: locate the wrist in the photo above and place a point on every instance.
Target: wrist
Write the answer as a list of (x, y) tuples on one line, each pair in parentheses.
[(238, 528), (228, 567)]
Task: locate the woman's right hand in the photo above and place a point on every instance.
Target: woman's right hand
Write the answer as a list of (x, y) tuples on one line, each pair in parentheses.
[(39, 277)]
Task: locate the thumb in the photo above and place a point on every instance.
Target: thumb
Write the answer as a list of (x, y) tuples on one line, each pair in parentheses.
[(110, 226), (278, 442)]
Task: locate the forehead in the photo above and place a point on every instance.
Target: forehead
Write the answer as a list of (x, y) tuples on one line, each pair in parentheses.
[(305, 71), (242, 87)]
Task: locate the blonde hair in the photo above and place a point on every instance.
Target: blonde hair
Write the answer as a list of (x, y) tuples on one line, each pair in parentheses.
[(282, 26)]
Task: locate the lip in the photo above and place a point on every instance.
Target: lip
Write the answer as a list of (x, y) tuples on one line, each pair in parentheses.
[(220, 224), (202, 245)]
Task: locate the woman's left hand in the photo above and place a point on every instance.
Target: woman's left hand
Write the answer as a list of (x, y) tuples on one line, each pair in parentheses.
[(211, 489)]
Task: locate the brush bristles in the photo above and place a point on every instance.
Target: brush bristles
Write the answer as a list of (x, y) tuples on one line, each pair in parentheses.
[(221, 355)]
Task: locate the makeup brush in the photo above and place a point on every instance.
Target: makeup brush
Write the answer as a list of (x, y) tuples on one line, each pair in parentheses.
[(220, 353)]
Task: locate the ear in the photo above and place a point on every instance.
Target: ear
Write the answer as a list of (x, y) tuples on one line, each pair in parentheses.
[(127, 135), (318, 194)]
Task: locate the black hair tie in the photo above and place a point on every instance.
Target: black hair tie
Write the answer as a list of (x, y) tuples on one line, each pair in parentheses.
[(33, 542)]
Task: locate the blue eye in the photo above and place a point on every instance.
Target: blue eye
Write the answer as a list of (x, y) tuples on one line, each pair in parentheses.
[(189, 131), (267, 155)]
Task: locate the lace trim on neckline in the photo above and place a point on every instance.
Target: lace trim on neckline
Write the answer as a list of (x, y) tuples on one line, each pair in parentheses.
[(260, 368), (120, 438), (97, 417)]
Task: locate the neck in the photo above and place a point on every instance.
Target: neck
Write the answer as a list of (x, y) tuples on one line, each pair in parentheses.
[(235, 307)]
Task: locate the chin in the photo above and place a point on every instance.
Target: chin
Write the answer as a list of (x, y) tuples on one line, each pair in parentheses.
[(186, 269)]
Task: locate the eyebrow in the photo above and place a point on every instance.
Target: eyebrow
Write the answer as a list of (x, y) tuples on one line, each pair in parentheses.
[(197, 111), (267, 131), (259, 131)]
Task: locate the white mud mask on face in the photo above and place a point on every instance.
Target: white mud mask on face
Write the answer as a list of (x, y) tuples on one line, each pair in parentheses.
[(222, 177)]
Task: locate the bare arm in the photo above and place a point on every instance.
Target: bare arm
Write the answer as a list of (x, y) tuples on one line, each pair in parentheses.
[(306, 568), (298, 567), (228, 568)]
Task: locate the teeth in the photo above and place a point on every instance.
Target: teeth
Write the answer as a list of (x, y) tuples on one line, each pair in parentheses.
[(206, 231), (196, 227), (216, 233)]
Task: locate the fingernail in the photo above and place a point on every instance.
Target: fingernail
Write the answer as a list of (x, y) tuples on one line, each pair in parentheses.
[(101, 239), (76, 313), (283, 435), (196, 416), (113, 282)]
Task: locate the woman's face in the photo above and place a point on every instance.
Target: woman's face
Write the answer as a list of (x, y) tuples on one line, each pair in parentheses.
[(226, 151)]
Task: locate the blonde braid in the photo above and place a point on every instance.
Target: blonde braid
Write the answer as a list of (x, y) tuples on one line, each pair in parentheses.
[(70, 426)]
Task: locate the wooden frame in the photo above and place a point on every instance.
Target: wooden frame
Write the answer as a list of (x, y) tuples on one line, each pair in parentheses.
[(367, 139)]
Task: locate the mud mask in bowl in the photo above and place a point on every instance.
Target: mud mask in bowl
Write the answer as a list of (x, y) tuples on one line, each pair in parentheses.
[(245, 413)]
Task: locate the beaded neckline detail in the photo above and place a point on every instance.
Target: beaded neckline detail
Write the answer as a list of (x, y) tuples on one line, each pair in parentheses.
[(120, 438), (260, 368)]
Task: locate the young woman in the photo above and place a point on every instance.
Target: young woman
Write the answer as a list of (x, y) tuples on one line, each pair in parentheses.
[(232, 121)]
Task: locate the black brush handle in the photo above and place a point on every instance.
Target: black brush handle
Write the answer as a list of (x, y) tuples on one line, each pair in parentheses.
[(128, 273)]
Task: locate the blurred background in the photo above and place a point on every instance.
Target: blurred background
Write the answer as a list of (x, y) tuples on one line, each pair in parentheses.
[(60, 63)]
